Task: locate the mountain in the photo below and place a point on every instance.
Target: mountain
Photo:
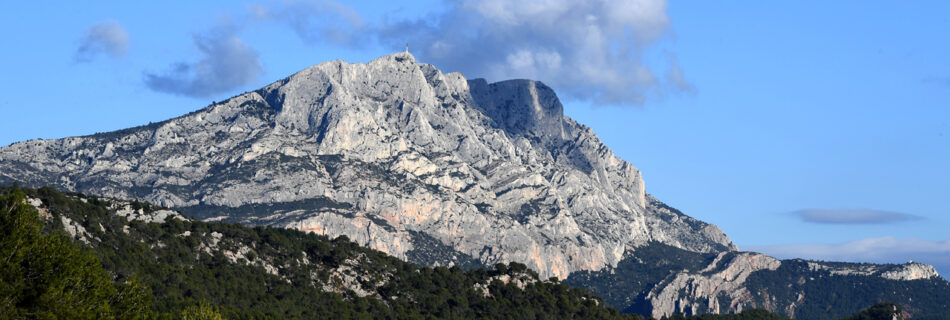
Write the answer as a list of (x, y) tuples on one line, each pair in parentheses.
[(434, 169), (385, 153)]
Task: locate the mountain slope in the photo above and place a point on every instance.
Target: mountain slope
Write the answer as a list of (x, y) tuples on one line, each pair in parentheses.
[(274, 273), (382, 152)]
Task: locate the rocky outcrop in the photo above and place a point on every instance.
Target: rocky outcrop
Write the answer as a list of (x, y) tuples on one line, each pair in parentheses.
[(911, 271), (520, 280), (378, 151), (908, 271), (718, 288), (734, 281)]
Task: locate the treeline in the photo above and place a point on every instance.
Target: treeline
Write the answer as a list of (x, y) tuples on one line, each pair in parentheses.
[(879, 311)]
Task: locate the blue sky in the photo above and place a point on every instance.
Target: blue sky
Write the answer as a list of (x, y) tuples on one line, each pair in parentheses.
[(803, 129)]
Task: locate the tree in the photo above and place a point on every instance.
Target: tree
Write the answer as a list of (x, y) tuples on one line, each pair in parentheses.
[(202, 311), (48, 276)]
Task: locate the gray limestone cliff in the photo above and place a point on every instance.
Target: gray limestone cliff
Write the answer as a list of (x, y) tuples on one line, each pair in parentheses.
[(726, 285), (385, 152), (718, 288)]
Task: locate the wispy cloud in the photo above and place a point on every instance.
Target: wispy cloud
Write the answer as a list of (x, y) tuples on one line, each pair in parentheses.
[(106, 37), (676, 78), (226, 63), (586, 49), (852, 216), (880, 250), (318, 21)]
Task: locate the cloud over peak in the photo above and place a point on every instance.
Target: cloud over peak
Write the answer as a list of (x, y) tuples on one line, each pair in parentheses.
[(589, 50), (852, 216), (227, 63), (586, 49), (106, 37)]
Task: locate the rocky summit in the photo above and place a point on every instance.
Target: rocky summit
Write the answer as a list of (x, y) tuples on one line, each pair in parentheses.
[(422, 165)]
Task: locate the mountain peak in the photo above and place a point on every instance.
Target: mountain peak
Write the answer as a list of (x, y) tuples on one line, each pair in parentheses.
[(398, 57), (521, 107)]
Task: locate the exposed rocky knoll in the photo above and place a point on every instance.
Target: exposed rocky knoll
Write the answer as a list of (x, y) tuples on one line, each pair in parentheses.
[(381, 151), (660, 280), (421, 165), (716, 287), (722, 286), (908, 271)]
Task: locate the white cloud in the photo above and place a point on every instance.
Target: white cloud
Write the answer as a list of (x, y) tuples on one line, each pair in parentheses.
[(880, 250), (852, 216), (585, 49), (107, 37), (227, 63)]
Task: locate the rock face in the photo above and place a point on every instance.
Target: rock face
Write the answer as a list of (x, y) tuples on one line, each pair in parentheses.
[(908, 271), (733, 281), (911, 271), (382, 153), (716, 289)]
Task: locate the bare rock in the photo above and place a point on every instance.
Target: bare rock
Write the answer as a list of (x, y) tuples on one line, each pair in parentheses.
[(718, 288), (911, 271)]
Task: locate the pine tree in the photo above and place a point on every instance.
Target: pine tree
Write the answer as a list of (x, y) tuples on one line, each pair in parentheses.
[(48, 276)]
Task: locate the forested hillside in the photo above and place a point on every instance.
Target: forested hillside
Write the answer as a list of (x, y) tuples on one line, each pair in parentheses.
[(172, 265)]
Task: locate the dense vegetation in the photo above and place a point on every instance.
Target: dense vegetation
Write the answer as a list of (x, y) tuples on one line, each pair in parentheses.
[(45, 275), (183, 276), (880, 311), (652, 264), (831, 297)]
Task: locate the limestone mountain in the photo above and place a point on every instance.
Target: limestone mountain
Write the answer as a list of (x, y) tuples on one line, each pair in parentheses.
[(427, 167), (386, 153)]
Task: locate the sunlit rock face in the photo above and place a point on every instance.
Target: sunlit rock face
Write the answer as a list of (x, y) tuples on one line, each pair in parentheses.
[(911, 271), (718, 288), (383, 152)]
